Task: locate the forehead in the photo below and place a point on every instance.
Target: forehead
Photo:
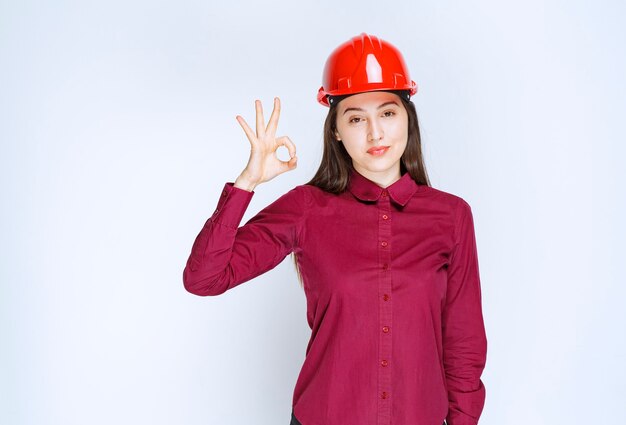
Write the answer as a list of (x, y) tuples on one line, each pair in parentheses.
[(368, 100)]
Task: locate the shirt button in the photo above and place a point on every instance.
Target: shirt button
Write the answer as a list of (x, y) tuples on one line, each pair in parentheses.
[(384, 193), (385, 266), (385, 329), (384, 243), (384, 363), (385, 216), (386, 297), (384, 394)]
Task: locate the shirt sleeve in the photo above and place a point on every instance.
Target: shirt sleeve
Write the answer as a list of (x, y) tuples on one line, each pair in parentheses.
[(464, 338), (225, 255)]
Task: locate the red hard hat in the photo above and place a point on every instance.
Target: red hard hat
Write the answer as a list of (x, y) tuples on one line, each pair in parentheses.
[(364, 63)]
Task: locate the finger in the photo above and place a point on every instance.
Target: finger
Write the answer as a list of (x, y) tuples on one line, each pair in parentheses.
[(289, 165), (273, 122), (246, 129), (260, 124), (286, 141)]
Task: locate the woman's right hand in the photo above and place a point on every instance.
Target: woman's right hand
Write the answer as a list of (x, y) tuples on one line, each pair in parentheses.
[(264, 164)]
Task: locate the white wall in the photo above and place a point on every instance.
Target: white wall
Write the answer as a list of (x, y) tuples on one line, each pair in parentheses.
[(118, 131)]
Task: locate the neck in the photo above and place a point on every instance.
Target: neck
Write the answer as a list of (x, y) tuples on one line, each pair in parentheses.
[(381, 178)]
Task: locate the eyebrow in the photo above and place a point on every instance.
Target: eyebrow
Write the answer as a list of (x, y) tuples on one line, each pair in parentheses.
[(391, 102)]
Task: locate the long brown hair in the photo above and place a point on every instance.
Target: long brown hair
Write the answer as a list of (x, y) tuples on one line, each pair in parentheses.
[(334, 171)]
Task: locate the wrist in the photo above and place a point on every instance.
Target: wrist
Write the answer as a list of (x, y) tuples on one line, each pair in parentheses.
[(243, 183)]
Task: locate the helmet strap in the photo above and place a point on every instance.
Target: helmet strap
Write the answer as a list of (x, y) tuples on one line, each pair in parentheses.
[(334, 100)]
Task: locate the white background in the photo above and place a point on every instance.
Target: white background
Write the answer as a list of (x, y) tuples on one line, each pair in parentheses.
[(118, 131)]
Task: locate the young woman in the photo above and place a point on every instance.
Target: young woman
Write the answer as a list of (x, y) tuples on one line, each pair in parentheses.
[(388, 263)]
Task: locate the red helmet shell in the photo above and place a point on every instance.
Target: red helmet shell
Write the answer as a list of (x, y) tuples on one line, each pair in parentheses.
[(361, 64)]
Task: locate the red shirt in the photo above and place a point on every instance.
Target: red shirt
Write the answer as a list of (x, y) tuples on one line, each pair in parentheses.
[(393, 296)]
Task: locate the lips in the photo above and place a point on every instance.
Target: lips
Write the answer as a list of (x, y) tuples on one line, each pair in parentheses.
[(378, 150)]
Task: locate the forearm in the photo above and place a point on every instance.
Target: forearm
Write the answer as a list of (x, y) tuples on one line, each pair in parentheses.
[(207, 269), (225, 255)]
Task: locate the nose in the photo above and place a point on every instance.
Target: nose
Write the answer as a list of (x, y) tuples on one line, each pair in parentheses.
[(375, 131)]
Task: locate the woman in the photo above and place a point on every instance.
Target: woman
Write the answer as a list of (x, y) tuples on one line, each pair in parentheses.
[(388, 263)]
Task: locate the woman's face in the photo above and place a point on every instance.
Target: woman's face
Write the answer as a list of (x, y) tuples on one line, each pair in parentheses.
[(373, 127)]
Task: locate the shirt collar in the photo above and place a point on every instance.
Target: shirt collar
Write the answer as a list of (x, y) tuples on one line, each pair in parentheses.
[(364, 189)]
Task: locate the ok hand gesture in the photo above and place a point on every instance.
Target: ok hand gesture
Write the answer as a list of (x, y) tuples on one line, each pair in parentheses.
[(264, 164)]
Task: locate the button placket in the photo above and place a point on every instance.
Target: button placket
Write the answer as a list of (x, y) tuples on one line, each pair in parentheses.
[(385, 308)]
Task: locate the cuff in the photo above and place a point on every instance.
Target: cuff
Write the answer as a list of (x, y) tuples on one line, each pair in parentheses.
[(231, 206)]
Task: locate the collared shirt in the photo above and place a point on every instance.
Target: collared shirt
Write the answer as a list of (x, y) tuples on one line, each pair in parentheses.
[(393, 296)]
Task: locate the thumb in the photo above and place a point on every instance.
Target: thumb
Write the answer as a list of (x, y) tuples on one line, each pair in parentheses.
[(289, 165)]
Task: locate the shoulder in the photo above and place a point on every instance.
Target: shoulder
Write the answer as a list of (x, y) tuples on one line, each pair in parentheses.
[(293, 200), (303, 191), (459, 211), (299, 196), (313, 194), (451, 200)]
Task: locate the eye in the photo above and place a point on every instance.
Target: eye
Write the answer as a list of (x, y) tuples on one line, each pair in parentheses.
[(389, 113), (354, 120)]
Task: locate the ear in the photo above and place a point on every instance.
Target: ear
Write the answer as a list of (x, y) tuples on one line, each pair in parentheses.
[(337, 135)]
